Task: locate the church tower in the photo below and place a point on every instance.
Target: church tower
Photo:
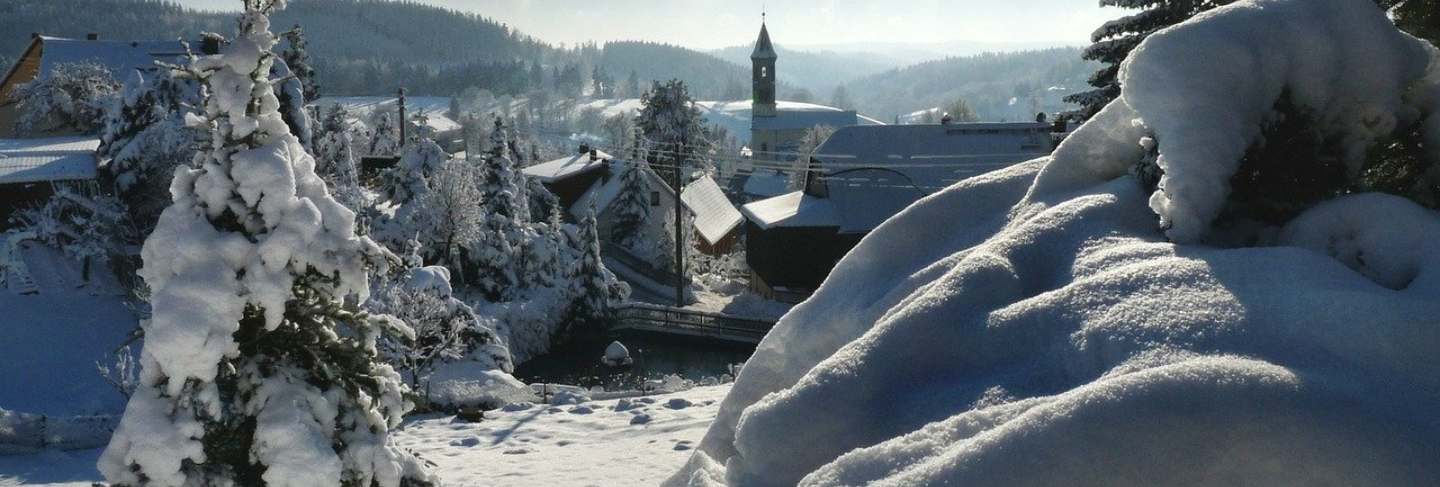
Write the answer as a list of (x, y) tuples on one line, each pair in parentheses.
[(763, 75)]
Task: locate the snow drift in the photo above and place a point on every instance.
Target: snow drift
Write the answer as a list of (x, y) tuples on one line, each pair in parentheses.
[(1054, 336)]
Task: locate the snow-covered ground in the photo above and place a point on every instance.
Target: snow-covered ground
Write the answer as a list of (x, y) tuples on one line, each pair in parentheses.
[(632, 441)]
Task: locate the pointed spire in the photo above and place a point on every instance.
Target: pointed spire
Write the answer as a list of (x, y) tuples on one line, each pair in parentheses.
[(763, 48)]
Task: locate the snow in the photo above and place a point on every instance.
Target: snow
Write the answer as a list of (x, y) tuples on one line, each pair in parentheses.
[(626, 441), (435, 108), (47, 159), (616, 354), (1204, 89), (1047, 334), (53, 339), (796, 209), (592, 443), (715, 217), (565, 167)]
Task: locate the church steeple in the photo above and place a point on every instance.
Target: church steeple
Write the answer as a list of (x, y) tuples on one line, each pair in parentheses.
[(762, 62)]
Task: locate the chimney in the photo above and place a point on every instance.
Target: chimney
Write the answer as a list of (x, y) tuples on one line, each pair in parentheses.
[(584, 149), (594, 154), (93, 36)]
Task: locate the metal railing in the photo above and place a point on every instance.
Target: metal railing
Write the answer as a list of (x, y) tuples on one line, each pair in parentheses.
[(665, 319)]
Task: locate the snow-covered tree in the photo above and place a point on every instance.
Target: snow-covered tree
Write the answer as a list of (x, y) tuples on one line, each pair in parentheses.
[(71, 97), (408, 179), (335, 158), (445, 328), (297, 57), (258, 367), (809, 143), (672, 133), (448, 216), (145, 139), (385, 138), (594, 288), (960, 111), (493, 256), (631, 208), (1114, 40)]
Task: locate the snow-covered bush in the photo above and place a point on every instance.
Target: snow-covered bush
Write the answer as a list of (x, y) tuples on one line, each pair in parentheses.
[(258, 367), (445, 329), (71, 97), (88, 225), (1051, 329), (409, 178), (121, 371)]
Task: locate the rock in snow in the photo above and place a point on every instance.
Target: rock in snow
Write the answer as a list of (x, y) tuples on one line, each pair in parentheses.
[(616, 355), (1052, 336)]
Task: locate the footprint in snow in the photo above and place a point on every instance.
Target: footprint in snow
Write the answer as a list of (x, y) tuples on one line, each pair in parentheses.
[(466, 442), (640, 419), (581, 410), (683, 445), (678, 403), (517, 451)]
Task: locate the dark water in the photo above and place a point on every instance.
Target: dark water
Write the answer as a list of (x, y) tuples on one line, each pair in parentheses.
[(655, 355)]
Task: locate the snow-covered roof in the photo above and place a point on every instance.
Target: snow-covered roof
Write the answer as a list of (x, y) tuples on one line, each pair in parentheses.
[(434, 108), (48, 159), (796, 209), (118, 56), (873, 172), (767, 183), (564, 167), (715, 217)]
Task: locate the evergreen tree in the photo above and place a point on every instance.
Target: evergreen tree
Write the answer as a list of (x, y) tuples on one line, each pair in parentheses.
[(297, 57), (1114, 40), (335, 159), (145, 139), (631, 88), (493, 255), (631, 209), (258, 366), (385, 140), (672, 133), (409, 178), (593, 287)]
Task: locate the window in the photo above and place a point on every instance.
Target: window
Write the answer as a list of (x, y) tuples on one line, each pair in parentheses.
[(654, 198), (764, 72)]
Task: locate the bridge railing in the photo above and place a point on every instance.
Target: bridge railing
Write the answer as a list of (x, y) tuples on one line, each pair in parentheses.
[(664, 317)]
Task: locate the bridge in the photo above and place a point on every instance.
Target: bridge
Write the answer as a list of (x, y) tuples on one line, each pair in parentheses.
[(680, 321)]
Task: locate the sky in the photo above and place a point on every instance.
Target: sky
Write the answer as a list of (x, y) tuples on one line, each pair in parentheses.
[(708, 24)]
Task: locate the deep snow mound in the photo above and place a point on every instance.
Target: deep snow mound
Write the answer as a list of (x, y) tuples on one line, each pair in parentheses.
[(1054, 336)]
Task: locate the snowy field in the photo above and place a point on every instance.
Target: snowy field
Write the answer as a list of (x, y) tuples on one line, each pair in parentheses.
[(635, 441)]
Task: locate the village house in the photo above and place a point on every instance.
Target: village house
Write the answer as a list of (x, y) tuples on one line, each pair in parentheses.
[(861, 176), (30, 168), (121, 58)]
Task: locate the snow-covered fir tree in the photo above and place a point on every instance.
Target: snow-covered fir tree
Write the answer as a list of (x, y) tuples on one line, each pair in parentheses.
[(297, 57), (71, 97), (631, 208), (146, 138), (671, 132), (385, 136), (593, 288), (408, 179), (258, 366), (1114, 40), (335, 158), (492, 257)]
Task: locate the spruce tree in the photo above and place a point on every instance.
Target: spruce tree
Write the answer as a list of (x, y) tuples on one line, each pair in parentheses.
[(258, 366), (592, 285), (631, 208), (1114, 40), (145, 139), (297, 57), (493, 254)]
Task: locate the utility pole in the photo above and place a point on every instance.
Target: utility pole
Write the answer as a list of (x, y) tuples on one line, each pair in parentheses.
[(679, 236), (403, 140)]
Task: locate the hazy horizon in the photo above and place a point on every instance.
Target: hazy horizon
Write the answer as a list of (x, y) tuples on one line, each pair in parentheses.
[(713, 24)]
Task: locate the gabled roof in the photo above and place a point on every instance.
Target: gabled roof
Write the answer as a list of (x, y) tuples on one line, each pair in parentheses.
[(763, 48), (605, 190), (120, 57), (47, 159), (565, 167), (870, 173), (715, 217), (792, 210)]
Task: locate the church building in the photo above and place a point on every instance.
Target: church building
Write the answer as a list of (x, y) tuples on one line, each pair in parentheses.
[(777, 127)]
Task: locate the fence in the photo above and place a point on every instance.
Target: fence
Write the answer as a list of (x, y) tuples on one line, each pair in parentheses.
[(680, 321)]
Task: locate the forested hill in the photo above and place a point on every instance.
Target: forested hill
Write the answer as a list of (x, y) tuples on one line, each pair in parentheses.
[(998, 86), (369, 47)]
